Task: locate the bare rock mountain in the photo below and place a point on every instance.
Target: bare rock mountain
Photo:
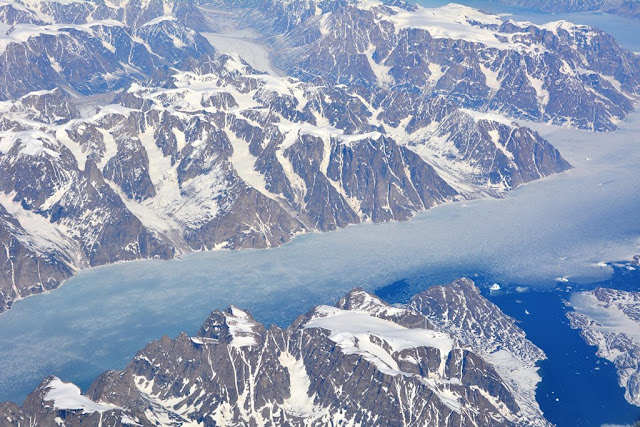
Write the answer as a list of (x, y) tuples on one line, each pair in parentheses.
[(361, 362)]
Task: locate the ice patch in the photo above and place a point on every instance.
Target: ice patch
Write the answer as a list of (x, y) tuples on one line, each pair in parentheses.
[(67, 396), (352, 332), (299, 402), (244, 44), (241, 328)]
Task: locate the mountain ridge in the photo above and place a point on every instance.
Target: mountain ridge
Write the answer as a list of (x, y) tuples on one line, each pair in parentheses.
[(197, 150), (388, 359)]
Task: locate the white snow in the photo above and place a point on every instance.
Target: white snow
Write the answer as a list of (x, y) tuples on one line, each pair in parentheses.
[(164, 412), (299, 403), (380, 70), (352, 332), (293, 130), (495, 138), (542, 93), (244, 164), (175, 207), (241, 328), (67, 396), (21, 33), (439, 151), (244, 44), (30, 143), (41, 236), (514, 371), (492, 79), (111, 147), (490, 116), (125, 419), (610, 318), (158, 20), (435, 74), (458, 22)]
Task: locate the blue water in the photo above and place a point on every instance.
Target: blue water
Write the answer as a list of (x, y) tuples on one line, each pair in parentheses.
[(577, 388)]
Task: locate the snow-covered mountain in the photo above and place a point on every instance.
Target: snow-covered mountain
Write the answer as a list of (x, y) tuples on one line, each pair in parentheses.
[(361, 362), (630, 8), (153, 128), (460, 310), (126, 133), (559, 73), (201, 151), (90, 47), (610, 320)]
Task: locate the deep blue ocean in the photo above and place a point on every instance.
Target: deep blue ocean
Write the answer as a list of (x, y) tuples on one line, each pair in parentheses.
[(577, 388)]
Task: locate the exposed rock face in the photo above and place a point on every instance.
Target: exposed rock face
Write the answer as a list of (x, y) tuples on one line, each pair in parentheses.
[(361, 362), (92, 47), (476, 322), (609, 319), (28, 265), (40, 177)]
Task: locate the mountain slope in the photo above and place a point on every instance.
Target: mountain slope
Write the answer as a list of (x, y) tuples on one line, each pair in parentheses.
[(559, 73), (361, 362), (226, 157), (630, 8)]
